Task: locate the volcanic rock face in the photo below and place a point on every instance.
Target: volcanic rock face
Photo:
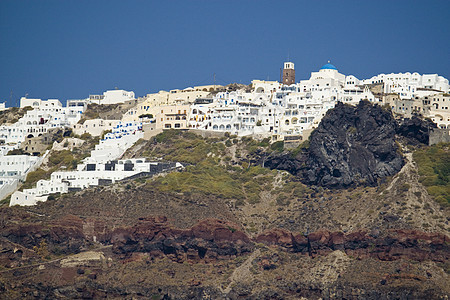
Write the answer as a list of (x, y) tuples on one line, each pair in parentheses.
[(125, 261), (416, 130), (392, 245), (212, 239), (209, 239), (352, 146)]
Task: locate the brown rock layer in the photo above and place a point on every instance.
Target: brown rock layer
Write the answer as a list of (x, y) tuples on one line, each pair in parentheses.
[(213, 239), (209, 239), (392, 245)]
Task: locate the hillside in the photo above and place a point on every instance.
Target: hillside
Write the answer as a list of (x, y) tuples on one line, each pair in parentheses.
[(106, 111), (13, 114), (230, 227)]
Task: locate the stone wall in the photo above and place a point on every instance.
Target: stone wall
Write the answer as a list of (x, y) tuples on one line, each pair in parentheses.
[(438, 135), (208, 134)]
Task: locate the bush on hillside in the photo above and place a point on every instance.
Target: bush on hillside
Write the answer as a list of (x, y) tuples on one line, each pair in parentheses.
[(434, 170)]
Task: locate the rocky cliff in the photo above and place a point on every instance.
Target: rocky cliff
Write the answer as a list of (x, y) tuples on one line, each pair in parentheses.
[(214, 258), (211, 239), (416, 130), (351, 146)]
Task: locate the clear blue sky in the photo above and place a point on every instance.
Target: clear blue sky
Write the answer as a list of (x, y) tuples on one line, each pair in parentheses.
[(70, 49)]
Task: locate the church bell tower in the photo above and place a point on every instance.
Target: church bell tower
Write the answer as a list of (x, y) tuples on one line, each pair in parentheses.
[(288, 73)]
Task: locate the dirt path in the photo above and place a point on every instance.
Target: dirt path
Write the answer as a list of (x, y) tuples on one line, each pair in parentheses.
[(55, 260), (242, 273)]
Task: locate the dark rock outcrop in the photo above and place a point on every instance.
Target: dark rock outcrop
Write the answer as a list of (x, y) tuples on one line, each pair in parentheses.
[(62, 236), (416, 130), (353, 146), (392, 245), (284, 161), (209, 239)]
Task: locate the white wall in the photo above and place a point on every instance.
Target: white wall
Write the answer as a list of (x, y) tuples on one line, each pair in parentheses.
[(116, 96), (7, 186), (95, 127)]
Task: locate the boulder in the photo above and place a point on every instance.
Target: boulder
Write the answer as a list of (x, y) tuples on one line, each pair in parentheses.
[(353, 146), (416, 130)]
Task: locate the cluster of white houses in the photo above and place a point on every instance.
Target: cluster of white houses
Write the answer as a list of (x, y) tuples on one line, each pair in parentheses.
[(101, 167), (40, 119), (88, 175), (279, 110), (276, 110)]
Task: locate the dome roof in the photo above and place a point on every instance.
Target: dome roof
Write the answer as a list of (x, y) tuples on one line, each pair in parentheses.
[(328, 66)]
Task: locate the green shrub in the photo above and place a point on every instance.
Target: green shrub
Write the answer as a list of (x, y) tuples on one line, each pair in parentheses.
[(208, 178), (277, 146), (15, 152), (34, 177), (150, 116), (351, 130), (86, 136), (404, 187), (64, 157), (6, 201), (204, 178), (434, 171), (265, 143)]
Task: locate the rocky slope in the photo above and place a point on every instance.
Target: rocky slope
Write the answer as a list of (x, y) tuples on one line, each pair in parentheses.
[(13, 114), (351, 146), (43, 259), (226, 228), (416, 130)]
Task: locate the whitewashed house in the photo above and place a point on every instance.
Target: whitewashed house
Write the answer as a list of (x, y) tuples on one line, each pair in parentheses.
[(94, 127), (407, 85), (88, 175), (13, 169)]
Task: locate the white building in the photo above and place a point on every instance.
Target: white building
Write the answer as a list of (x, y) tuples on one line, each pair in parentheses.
[(111, 97), (115, 143), (95, 127), (16, 165), (406, 85), (45, 115), (39, 103), (437, 108), (123, 136), (117, 96), (87, 175), (13, 169), (276, 109)]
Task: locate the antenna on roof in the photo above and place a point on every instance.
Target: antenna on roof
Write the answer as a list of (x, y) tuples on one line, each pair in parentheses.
[(11, 99)]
